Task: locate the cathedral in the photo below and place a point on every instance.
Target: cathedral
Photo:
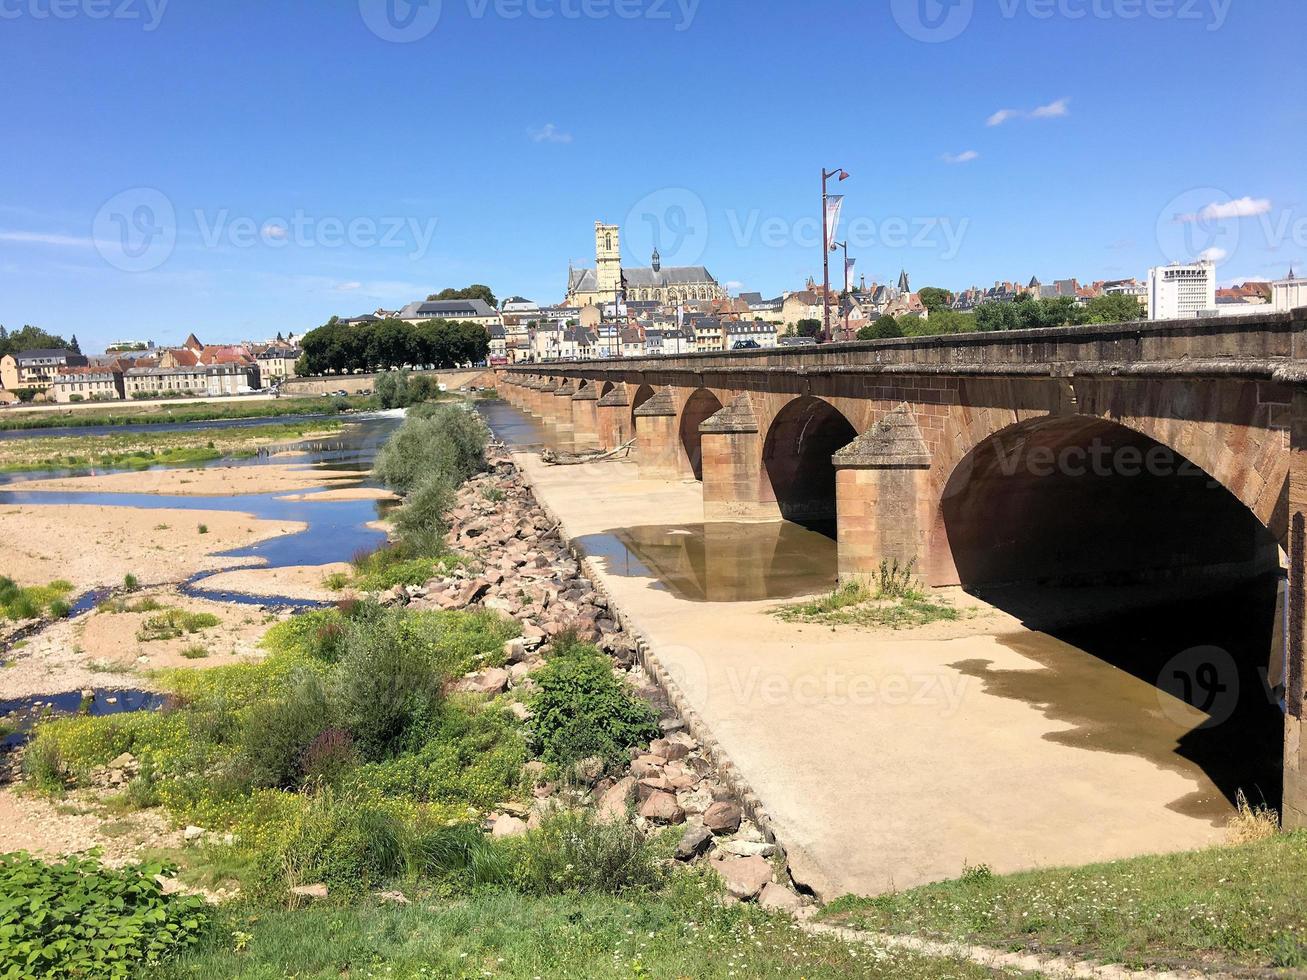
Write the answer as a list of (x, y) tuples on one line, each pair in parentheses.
[(653, 283)]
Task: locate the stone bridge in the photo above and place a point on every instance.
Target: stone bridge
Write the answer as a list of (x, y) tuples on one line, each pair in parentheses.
[(1104, 454)]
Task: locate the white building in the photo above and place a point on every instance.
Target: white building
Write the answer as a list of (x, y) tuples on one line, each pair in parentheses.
[(1179, 291), (1288, 294)]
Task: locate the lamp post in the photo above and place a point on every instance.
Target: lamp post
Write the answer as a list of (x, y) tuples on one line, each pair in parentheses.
[(844, 245), (825, 250)]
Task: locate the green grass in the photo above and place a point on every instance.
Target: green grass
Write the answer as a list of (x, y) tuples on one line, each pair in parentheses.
[(393, 565), (133, 414), (1242, 905), (855, 604), (505, 935), (136, 451), (172, 623), (195, 652), (34, 601), (120, 605)]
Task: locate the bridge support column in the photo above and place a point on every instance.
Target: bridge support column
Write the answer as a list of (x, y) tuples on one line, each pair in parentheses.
[(656, 438), (530, 397), (882, 497), (1295, 648), (585, 417), (613, 417), (561, 410), (545, 398), (732, 465)]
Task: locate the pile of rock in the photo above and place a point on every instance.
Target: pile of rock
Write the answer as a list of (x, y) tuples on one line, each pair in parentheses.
[(524, 571)]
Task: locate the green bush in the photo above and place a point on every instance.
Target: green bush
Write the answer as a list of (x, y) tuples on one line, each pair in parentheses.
[(388, 685), (275, 733), (347, 843), (80, 919), (172, 623), (420, 523), (449, 441), (581, 709), (574, 852)]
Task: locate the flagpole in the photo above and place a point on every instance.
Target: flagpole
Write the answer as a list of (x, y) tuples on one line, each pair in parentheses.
[(825, 251)]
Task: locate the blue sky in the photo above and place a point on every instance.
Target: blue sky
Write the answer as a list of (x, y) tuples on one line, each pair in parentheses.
[(244, 167)]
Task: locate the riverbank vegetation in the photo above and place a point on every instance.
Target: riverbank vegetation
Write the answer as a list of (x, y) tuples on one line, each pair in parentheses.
[(1211, 909), (129, 414), (892, 598), (145, 449), (34, 601), (337, 348)]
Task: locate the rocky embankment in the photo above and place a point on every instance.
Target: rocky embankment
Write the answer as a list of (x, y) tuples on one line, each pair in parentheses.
[(523, 569)]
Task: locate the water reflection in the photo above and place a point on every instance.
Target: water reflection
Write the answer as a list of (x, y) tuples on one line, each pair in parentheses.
[(516, 428), (720, 562)]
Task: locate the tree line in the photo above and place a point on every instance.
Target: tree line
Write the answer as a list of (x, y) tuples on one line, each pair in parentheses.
[(34, 338), (1022, 313), (337, 348)]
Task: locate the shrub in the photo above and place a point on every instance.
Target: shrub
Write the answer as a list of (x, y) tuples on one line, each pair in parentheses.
[(347, 843), (574, 852), (388, 684), (420, 523), (582, 710), (78, 918), (328, 758), (276, 733), (449, 441), (172, 623)]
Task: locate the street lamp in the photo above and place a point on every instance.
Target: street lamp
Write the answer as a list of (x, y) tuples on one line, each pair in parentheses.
[(844, 245), (826, 249)]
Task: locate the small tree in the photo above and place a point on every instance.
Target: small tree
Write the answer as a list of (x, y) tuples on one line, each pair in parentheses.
[(884, 327), (808, 328)]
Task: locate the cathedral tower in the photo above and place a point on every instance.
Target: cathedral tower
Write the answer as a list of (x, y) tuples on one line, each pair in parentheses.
[(608, 260)]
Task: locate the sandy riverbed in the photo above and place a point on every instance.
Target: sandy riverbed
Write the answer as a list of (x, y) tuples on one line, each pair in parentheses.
[(203, 481), (91, 546), (293, 582)]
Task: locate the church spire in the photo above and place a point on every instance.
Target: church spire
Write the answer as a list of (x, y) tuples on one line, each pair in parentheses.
[(657, 260), (903, 282)]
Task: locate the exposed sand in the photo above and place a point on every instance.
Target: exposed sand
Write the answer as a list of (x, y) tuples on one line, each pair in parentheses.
[(202, 481), (74, 825), (295, 582), (344, 493), (93, 546)]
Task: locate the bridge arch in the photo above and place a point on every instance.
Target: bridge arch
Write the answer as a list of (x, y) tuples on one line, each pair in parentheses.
[(699, 407), (641, 395), (796, 460), (1039, 497)]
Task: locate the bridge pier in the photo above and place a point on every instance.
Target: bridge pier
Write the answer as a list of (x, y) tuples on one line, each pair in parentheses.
[(613, 417), (1294, 810), (546, 410), (732, 465), (561, 409), (882, 499), (585, 417), (656, 437)]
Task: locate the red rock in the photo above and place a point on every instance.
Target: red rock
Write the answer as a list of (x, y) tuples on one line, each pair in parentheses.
[(744, 877), (662, 808), (722, 818)]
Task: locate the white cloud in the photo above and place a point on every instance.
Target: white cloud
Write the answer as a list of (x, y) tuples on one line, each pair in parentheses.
[(1245, 207), (41, 238), (275, 230), (734, 286), (1214, 255), (549, 133), (966, 156), (1054, 110), (347, 287)]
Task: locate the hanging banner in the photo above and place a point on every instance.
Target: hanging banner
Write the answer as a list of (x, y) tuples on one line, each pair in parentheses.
[(848, 273), (833, 204)]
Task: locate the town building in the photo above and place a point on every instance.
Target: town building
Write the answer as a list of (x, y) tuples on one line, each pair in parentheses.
[(35, 370), (609, 281), (1177, 291), (476, 311), (1289, 294), (92, 383), (277, 362), (207, 380)]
